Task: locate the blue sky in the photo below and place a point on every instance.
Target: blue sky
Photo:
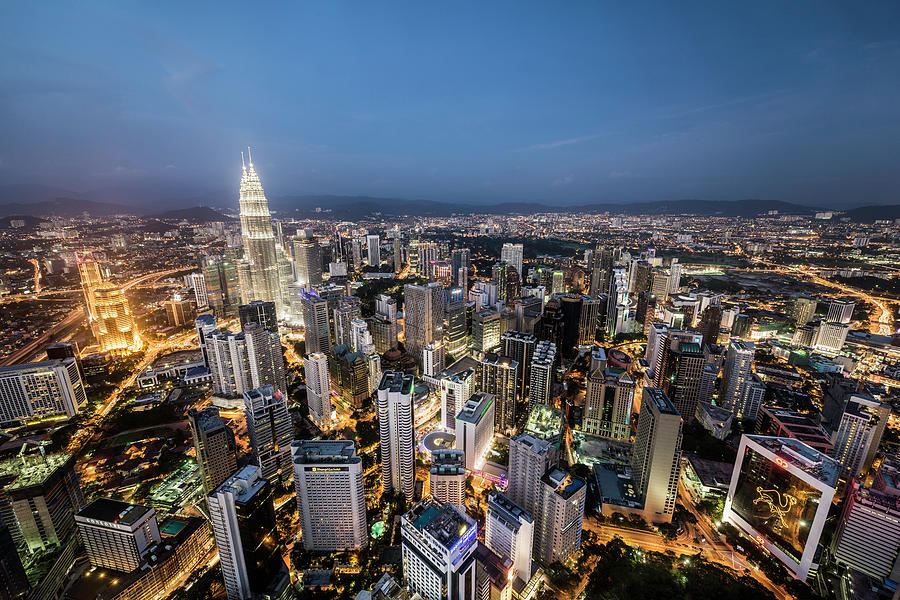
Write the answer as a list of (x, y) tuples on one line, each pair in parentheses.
[(517, 101)]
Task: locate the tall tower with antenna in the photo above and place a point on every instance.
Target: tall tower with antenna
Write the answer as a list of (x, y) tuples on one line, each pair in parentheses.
[(261, 261)]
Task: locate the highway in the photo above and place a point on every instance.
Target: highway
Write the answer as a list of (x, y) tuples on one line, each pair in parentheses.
[(75, 318)]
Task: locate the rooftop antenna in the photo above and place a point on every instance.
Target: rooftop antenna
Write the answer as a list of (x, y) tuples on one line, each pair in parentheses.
[(249, 157), (243, 166)]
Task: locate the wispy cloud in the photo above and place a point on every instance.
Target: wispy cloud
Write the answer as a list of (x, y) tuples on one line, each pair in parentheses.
[(563, 181), (620, 174), (559, 143)]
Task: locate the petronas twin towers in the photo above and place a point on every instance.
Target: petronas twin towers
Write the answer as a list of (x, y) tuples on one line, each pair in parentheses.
[(259, 273)]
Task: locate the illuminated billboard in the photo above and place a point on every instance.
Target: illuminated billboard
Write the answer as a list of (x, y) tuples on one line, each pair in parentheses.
[(780, 493)]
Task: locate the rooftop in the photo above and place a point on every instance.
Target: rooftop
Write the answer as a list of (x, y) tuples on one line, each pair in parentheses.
[(448, 462), (507, 509), (32, 468), (711, 473), (660, 400), (324, 451), (442, 521), (244, 484), (616, 486), (544, 422), (475, 407), (114, 511), (824, 468), (36, 366), (565, 485), (396, 381)]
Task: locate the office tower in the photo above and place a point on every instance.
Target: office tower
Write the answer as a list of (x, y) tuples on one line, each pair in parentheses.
[(271, 431), (397, 246), (529, 458), (617, 301), (242, 361), (804, 310), (659, 285), (243, 522), (474, 428), (447, 477), (318, 389), (656, 340), (543, 367), (384, 324), (220, 280), (433, 359), (867, 511), (178, 311), (315, 322), (509, 531), (459, 260), (438, 543), (709, 324), (639, 276), (607, 403), (356, 249), (551, 325), (197, 282), (741, 326), (859, 434), (373, 246), (423, 316), (348, 311), (840, 311), (681, 373), (735, 376), (656, 458), (674, 277), (307, 259), (260, 262), (708, 378), (215, 446), (558, 522), (830, 337), (349, 373), (456, 332), (13, 579), (753, 397), (39, 390), (114, 326), (520, 347), (456, 389), (486, 330), (601, 272), (558, 283), (512, 255), (360, 337), (484, 294), (427, 253), (398, 437), (91, 279), (116, 534), (498, 278), (43, 493), (331, 501), (499, 375), (206, 327), (593, 308), (259, 312), (780, 495)]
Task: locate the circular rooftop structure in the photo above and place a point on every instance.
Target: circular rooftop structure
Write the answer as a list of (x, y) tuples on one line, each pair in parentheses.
[(439, 440)]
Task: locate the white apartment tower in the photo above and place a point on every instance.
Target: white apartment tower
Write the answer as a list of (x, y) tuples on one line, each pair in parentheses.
[(398, 436), (318, 389)]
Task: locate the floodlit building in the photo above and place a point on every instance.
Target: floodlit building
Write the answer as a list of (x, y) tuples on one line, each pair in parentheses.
[(475, 428), (39, 390), (447, 477), (117, 535), (608, 402), (509, 531), (398, 437), (318, 389), (656, 459)]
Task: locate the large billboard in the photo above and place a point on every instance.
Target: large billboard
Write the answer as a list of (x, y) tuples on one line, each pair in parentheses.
[(778, 505)]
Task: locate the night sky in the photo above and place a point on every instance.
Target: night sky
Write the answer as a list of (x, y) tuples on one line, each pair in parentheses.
[(554, 101)]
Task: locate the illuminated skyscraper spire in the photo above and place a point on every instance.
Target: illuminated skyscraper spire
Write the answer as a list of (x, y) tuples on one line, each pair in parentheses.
[(260, 257)]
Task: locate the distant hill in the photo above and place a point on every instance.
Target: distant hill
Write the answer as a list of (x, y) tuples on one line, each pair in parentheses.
[(870, 214), (66, 207), (354, 207), (196, 214)]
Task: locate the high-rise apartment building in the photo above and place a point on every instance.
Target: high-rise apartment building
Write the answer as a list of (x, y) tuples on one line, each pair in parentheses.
[(438, 543), (262, 279), (475, 428), (840, 311), (331, 501), (271, 432), (607, 403), (456, 331), (804, 309), (384, 325), (214, 445), (398, 437), (656, 459), (39, 390), (736, 375), (114, 326), (499, 375), (243, 361), (456, 389), (307, 259), (423, 317), (543, 367), (117, 535), (509, 531), (512, 255), (318, 389), (520, 346), (486, 330), (559, 519), (859, 434), (529, 458), (447, 477), (243, 522)]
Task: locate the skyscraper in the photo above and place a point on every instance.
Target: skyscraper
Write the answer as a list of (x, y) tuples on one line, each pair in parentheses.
[(681, 373), (859, 433), (509, 531), (607, 403), (512, 255), (736, 375), (423, 317), (117, 535), (529, 458), (260, 257), (373, 245), (42, 389), (804, 310), (499, 375), (243, 522), (456, 333), (331, 500), (398, 437), (242, 361), (384, 324), (475, 428), (259, 312), (307, 259), (456, 389), (486, 330), (271, 432), (315, 322), (520, 347), (559, 520), (91, 279), (214, 445), (840, 311), (543, 366), (114, 326), (656, 459), (318, 388), (447, 477)]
